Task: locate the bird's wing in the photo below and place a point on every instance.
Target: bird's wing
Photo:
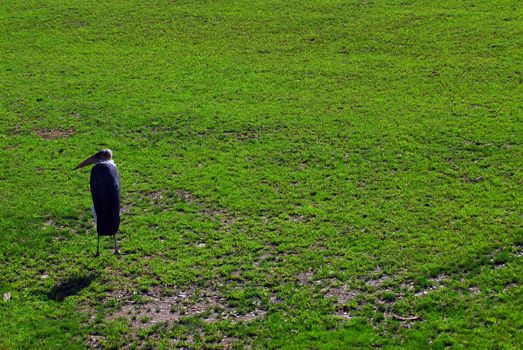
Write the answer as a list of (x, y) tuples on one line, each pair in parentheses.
[(105, 192)]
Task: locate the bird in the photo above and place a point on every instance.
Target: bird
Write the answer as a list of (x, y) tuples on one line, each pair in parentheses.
[(105, 193)]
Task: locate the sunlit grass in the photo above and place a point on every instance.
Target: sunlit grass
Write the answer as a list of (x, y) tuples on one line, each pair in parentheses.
[(320, 174)]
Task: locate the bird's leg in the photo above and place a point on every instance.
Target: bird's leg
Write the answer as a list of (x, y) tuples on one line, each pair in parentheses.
[(116, 251), (98, 247)]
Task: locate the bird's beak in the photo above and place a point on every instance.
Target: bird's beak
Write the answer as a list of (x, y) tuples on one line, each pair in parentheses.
[(90, 160)]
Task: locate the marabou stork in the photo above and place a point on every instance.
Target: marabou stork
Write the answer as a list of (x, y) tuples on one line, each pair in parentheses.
[(105, 192)]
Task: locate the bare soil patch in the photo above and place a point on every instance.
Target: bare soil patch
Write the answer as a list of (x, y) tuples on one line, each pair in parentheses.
[(244, 135), (94, 341), (52, 223), (50, 134), (206, 303), (342, 293)]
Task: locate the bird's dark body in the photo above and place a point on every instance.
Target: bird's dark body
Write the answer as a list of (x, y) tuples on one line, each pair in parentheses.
[(105, 191)]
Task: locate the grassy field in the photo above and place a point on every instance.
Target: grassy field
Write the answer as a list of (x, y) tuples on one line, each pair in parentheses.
[(295, 174)]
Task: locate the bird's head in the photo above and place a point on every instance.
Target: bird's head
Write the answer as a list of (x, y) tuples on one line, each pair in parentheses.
[(101, 156)]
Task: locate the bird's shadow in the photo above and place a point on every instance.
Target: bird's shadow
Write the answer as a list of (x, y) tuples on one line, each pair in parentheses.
[(70, 286)]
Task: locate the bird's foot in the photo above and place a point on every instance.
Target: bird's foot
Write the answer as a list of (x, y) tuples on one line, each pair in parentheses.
[(117, 251), (97, 255)]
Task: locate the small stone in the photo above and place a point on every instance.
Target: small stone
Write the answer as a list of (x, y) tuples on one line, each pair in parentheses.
[(7, 296)]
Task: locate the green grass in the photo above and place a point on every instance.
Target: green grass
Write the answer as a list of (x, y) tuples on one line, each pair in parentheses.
[(347, 173)]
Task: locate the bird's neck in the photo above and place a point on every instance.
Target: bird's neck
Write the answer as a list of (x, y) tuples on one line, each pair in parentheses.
[(110, 161)]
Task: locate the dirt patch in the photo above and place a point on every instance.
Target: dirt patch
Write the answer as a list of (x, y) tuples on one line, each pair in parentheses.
[(263, 257), (125, 208), (244, 135), (228, 342), (342, 294), (339, 292), (221, 215), (343, 314), (376, 282), (273, 299), (186, 196), (425, 291), (16, 129), (50, 134), (297, 217), (345, 298), (249, 134), (52, 223), (157, 308), (164, 308), (379, 278), (474, 290), (77, 24), (438, 283), (509, 286), (94, 341), (305, 277), (440, 279), (155, 196), (320, 246), (407, 286)]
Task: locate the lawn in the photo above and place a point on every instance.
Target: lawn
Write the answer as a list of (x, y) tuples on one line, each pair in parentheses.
[(295, 174)]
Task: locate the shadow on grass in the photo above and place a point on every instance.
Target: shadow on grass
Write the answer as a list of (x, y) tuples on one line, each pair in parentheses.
[(71, 286)]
